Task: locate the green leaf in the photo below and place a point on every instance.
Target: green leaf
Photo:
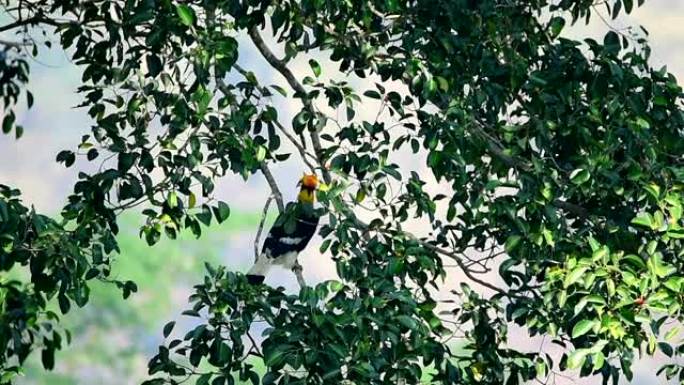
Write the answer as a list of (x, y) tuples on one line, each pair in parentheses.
[(611, 42), (335, 286), (192, 200), (643, 123), (676, 233), (599, 360), (47, 357), (644, 220), (580, 176), (274, 357), (325, 245), (67, 157), (654, 190), (671, 334), (261, 153), (126, 161), (372, 94), (629, 4), (186, 14), (92, 273), (155, 381), (601, 254), (511, 243), (574, 276), (223, 212), (64, 304), (538, 81), (582, 327), (635, 260), (557, 23), (315, 67), (659, 267), (408, 322), (154, 65), (548, 237), (172, 200), (581, 304), (674, 283), (168, 328), (8, 123), (203, 379), (204, 216), (333, 372), (666, 348), (279, 89), (92, 154), (576, 359)]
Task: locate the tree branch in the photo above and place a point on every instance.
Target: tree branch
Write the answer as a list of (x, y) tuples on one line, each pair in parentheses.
[(577, 210), (364, 226), (496, 149), (30, 21), (281, 66), (460, 264), (14, 44), (297, 270), (300, 147), (277, 195), (257, 240)]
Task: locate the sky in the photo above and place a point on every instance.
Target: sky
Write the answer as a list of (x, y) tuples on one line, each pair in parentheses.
[(54, 124)]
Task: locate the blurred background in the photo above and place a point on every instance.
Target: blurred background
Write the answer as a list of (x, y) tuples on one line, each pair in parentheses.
[(113, 338)]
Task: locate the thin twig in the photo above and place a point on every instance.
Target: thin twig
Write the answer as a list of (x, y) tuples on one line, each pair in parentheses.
[(460, 263), (14, 44), (302, 151), (318, 149), (38, 19), (257, 240), (255, 346), (362, 225)]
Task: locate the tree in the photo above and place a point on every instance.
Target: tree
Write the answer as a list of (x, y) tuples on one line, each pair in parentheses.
[(559, 163)]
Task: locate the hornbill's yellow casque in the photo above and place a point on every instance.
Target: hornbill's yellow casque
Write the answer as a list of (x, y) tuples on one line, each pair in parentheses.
[(290, 233)]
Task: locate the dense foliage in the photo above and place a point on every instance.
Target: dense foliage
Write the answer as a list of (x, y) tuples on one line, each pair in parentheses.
[(111, 339), (558, 161)]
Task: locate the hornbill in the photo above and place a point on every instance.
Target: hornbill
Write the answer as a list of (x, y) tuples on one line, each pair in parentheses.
[(290, 233)]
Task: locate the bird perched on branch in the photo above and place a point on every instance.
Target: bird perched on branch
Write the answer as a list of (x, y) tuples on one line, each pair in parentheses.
[(290, 233)]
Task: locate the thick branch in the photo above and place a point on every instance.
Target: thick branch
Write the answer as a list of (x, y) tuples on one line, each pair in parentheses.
[(297, 270), (300, 91), (280, 66)]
